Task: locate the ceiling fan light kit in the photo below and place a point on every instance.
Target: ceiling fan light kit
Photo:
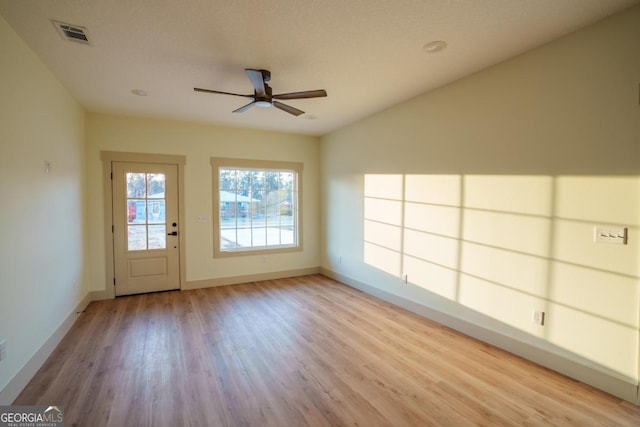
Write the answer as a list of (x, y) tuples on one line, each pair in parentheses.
[(262, 93)]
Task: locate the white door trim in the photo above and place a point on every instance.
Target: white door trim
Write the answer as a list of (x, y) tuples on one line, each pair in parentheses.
[(108, 157)]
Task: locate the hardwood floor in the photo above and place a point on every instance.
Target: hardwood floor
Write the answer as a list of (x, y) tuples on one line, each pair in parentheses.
[(296, 352)]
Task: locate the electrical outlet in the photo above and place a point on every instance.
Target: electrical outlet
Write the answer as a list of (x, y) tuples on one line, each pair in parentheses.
[(537, 317), (3, 350)]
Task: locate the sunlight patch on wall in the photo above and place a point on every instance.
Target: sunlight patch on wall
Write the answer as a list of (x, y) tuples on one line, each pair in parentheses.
[(503, 303), (521, 233), (507, 245), (442, 220), (520, 272), (383, 220)]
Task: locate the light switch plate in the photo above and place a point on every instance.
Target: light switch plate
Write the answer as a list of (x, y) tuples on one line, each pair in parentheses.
[(607, 234)]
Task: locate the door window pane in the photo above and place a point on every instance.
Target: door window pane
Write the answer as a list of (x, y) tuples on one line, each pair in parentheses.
[(135, 185), (157, 236), (136, 211), (137, 237), (155, 185), (146, 211), (156, 211)]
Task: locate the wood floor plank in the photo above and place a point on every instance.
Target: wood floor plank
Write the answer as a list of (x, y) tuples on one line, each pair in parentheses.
[(302, 351)]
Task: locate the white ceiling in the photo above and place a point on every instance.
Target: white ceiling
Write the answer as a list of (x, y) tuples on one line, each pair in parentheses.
[(367, 54)]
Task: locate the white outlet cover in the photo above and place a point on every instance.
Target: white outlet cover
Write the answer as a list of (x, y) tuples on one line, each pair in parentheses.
[(537, 317), (610, 234)]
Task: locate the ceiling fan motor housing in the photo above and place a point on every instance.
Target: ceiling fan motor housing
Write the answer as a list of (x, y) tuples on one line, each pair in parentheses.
[(266, 75), (266, 100)]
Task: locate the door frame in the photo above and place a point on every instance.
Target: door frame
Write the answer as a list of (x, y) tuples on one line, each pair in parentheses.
[(108, 157)]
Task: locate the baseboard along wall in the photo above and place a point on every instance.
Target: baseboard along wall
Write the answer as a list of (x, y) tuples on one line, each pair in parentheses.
[(599, 379), (596, 378), (31, 366), (234, 280)]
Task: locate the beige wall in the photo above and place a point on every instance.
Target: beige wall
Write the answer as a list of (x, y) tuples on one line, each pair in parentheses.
[(42, 256), (199, 143), (485, 193)]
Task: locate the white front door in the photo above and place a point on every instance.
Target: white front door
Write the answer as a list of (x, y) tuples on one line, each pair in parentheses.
[(145, 227)]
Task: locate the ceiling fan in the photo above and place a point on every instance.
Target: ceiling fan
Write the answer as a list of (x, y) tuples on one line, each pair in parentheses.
[(262, 96)]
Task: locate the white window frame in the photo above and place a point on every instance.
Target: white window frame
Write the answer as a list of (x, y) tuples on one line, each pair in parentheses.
[(218, 163)]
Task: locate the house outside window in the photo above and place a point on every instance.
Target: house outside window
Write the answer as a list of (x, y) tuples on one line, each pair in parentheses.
[(256, 206)]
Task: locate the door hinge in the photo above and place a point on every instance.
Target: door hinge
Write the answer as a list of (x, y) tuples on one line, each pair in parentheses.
[(112, 176), (113, 229), (114, 281)]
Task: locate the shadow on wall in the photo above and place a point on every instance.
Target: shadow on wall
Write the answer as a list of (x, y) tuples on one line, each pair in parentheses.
[(506, 245)]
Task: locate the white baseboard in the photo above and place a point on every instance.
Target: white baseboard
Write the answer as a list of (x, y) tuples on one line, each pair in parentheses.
[(605, 381), (233, 280), (100, 295), (224, 281), (609, 382), (31, 367)]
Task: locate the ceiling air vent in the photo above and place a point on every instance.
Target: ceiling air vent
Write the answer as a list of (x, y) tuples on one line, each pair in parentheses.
[(73, 33)]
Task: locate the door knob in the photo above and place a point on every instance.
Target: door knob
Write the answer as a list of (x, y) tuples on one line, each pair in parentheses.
[(173, 233)]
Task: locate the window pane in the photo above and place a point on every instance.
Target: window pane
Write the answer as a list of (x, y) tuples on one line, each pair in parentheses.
[(244, 182), (227, 179), (273, 236), (227, 204), (287, 236), (157, 237), (272, 181), (257, 180), (156, 211), (259, 236), (137, 238), (136, 211), (286, 180), (155, 185), (259, 208), (136, 185), (228, 239), (225, 215)]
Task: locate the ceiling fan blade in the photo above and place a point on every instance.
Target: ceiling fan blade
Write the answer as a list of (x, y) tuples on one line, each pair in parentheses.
[(257, 80), (288, 108), (197, 89), (301, 95), (244, 107)]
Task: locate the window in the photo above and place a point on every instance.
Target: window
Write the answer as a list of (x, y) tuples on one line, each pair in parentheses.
[(256, 206)]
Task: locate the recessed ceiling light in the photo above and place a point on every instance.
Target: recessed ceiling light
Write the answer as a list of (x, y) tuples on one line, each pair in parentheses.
[(139, 92), (434, 46)]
